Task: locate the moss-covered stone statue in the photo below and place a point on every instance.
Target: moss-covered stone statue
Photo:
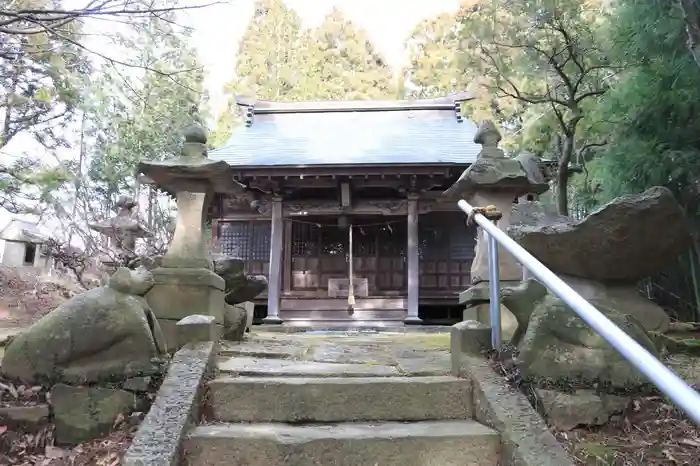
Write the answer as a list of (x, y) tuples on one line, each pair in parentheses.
[(105, 334), (240, 289), (602, 257)]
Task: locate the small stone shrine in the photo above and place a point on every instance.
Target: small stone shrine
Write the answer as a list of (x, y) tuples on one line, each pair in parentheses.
[(186, 283)]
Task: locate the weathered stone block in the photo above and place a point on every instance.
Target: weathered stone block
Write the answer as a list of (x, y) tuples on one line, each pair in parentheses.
[(179, 293), (196, 328), (470, 337), (239, 286), (626, 299), (335, 399), (508, 267), (526, 440), (583, 408), (159, 438), (235, 321), (82, 414), (250, 313), (25, 417), (559, 344), (444, 443), (621, 241), (137, 384)]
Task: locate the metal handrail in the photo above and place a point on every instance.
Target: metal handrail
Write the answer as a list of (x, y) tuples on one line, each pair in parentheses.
[(666, 380)]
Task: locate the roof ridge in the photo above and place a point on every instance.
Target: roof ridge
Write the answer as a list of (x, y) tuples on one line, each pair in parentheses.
[(270, 107)]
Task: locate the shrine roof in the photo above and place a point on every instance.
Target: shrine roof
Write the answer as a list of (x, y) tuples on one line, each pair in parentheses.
[(24, 230), (428, 131)]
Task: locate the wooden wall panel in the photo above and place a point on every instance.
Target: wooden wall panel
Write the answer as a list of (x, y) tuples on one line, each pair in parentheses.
[(446, 253)]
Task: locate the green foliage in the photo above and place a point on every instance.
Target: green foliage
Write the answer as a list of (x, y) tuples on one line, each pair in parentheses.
[(143, 117), (433, 50), (40, 78), (652, 112), (270, 54), (545, 54), (130, 113), (267, 64), (437, 67)]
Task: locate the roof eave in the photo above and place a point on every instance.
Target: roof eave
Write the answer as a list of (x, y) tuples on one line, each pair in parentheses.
[(339, 166)]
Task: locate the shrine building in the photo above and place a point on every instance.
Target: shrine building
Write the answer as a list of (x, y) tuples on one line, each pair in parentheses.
[(345, 198)]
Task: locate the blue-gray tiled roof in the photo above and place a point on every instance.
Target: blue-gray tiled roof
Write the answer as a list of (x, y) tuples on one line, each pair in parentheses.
[(369, 137)]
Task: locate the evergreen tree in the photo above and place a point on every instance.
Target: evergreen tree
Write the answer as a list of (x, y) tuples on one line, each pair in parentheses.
[(342, 63), (437, 68), (127, 117), (278, 60), (268, 64), (544, 54), (651, 113)]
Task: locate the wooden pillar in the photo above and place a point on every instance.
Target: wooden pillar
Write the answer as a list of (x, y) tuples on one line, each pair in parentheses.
[(287, 257), (412, 260), (274, 280)]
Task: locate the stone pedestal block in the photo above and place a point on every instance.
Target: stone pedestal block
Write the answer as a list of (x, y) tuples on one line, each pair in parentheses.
[(196, 328), (482, 313), (508, 267), (250, 310), (181, 292), (470, 337)]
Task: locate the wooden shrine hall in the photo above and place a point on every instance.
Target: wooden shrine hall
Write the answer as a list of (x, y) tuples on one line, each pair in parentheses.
[(344, 213)]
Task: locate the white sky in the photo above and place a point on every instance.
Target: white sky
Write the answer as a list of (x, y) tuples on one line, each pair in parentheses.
[(218, 29)]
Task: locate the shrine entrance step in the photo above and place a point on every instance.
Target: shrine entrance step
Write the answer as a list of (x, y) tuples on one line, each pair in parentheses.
[(350, 399)]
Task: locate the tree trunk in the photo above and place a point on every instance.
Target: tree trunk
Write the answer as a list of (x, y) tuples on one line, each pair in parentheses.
[(563, 174), (691, 14)]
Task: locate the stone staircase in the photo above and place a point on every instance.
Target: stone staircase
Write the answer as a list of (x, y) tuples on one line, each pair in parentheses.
[(269, 412)]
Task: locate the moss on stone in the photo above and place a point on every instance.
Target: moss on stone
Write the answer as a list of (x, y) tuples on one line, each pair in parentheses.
[(673, 345), (603, 455), (436, 341)]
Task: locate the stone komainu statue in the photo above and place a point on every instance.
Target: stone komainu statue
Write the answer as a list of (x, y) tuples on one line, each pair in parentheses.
[(105, 334)]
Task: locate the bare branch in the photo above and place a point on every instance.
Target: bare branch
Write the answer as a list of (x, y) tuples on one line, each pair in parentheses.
[(515, 91), (36, 21)]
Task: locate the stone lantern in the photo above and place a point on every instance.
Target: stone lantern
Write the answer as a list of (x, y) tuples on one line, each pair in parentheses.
[(122, 231), (494, 180), (185, 282)]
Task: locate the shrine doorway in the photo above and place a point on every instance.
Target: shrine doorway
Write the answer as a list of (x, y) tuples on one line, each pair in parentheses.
[(320, 256)]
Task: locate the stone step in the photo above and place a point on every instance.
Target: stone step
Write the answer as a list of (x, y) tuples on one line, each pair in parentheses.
[(345, 323), (339, 399), (251, 366), (434, 443)]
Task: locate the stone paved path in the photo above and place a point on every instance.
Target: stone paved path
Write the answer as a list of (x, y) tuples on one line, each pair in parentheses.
[(351, 354)]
